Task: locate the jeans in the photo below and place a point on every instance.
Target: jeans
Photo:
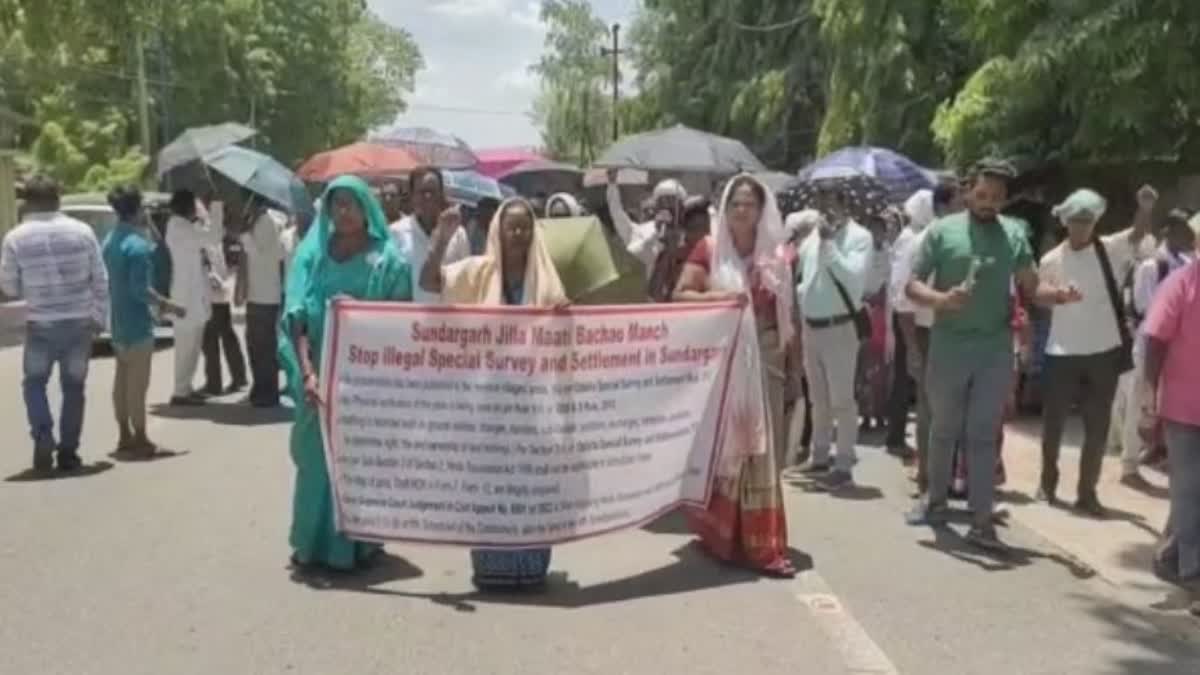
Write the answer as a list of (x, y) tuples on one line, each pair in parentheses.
[(1091, 380), (967, 390), (67, 343), (1180, 551)]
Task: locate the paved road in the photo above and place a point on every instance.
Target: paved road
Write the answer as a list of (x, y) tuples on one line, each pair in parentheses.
[(178, 566)]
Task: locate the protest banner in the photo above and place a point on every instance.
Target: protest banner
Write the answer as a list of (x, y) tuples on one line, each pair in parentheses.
[(516, 427)]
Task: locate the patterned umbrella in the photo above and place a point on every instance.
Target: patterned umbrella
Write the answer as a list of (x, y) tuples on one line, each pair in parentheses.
[(437, 149), (899, 175), (866, 197)]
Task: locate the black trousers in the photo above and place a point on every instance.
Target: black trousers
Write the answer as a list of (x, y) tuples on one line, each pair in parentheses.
[(261, 342), (903, 389), (218, 334), (1092, 381)]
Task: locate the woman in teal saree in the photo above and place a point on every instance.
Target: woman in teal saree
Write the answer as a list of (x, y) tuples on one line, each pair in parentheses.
[(347, 252)]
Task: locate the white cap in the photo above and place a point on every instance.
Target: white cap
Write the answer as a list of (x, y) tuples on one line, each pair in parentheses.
[(670, 188)]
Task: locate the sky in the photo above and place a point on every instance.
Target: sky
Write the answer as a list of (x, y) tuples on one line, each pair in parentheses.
[(476, 82)]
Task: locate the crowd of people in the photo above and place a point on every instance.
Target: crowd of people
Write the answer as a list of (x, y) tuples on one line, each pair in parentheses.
[(930, 303)]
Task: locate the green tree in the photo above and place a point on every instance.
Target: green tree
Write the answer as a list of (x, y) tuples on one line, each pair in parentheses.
[(307, 75), (1086, 82), (571, 107), (748, 69)]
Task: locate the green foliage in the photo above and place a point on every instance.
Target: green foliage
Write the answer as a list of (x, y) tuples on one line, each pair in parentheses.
[(308, 75), (573, 106), (704, 64), (1081, 82)]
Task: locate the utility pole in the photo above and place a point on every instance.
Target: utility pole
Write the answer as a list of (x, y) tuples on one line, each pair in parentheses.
[(615, 52), (142, 96)]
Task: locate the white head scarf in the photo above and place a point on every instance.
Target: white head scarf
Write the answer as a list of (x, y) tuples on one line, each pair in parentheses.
[(670, 188), (919, 208), (730, 272), (1083, 202), (567, 200)]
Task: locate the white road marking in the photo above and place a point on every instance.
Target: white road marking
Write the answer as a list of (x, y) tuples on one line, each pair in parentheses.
[(859, 652)]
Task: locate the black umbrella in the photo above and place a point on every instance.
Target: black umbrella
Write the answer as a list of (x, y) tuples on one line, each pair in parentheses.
[(865, 196)]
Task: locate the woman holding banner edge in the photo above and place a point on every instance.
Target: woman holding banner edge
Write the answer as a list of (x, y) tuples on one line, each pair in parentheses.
[(348, 252), (515, 269), (744, 259)]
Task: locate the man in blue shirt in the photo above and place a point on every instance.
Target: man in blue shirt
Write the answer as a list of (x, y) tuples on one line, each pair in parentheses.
[(831, 268), (129, 257)]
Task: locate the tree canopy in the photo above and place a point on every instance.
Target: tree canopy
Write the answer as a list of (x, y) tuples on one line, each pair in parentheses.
[(1069, 82), (307, 75)]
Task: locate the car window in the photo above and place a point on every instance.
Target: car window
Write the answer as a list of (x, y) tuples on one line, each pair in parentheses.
[(101, 221)]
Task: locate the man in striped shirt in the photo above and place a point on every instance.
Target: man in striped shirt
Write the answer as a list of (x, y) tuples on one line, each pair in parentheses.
[(53, 263)]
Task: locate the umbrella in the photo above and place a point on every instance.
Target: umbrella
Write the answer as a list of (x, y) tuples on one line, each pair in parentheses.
[(545, 176), (471, 186), (899, 175), (679, 149), (774, 180), (261, 175), (441, 150), (595, 269), (866, 196), (197, 142), (496, 162), (366, 160)]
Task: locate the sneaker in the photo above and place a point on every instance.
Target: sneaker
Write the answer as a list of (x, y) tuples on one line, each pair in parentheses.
[(924, 513), (69, 461), (838, 479), (236, 387), (816, 468), (984, 536), (191, 400)]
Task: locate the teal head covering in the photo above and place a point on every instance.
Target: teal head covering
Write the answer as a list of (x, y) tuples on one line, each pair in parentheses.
[(1081, 203), (377, 223), (314, 277)]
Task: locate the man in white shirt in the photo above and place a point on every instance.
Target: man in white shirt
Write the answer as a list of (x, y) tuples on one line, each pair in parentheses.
[(911, 324), (644, 240), (1178, 249), (832, 267), (1084, 352), (191, 232), (263, 255), (413, 233), (54, 264)]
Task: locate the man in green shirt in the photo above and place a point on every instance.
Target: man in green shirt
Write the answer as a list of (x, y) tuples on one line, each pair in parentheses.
[(974, 257)]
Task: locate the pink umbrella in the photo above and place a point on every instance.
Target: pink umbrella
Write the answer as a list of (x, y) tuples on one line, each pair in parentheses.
[(496, 162)]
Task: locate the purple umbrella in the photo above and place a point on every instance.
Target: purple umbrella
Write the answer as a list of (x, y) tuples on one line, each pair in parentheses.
[(441, 150), (898, 174)]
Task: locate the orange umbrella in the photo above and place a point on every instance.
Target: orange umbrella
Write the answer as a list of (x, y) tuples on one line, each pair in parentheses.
[(366, 160)]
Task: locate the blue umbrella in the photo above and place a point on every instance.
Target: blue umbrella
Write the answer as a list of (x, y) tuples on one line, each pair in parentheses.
[(899, 175), (471, 186), (263, 176)]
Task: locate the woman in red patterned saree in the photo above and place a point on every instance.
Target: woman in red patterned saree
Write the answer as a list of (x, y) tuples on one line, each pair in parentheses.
[(744, 259)]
